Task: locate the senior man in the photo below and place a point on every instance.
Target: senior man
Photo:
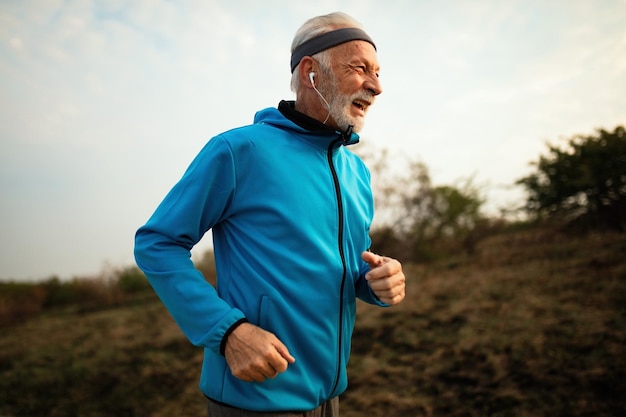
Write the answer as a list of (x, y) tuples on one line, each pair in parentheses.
[(290, 209)]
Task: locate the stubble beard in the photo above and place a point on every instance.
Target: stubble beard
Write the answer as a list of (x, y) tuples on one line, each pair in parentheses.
[(341, 105)]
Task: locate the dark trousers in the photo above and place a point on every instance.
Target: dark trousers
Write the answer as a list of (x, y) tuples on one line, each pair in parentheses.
[(329, 409)]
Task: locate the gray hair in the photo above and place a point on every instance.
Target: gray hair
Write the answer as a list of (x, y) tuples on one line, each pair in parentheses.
[(315, 27)]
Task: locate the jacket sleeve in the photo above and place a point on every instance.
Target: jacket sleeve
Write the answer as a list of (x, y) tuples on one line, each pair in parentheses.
[(163, 246)]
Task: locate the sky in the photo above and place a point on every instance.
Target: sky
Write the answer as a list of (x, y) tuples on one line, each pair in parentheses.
[(104, 103)]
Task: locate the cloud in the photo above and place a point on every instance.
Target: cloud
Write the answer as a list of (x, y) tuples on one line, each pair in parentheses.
[(104, 104)]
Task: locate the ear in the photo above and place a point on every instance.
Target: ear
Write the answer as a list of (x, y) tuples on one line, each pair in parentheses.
[(307, 65)]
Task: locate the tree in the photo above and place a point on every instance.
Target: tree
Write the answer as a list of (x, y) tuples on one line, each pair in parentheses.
[(416, 220), (585, 180)]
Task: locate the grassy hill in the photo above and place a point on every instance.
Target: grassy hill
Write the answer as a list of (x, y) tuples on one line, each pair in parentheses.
[(533, 324)]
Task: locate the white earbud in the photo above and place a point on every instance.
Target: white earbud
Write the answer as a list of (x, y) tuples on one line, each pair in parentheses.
[(312, 78)]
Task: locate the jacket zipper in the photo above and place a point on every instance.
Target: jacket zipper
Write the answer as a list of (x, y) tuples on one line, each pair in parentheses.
[(343, 259)]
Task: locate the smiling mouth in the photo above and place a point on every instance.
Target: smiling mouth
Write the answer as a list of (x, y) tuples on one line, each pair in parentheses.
[(361, 105)]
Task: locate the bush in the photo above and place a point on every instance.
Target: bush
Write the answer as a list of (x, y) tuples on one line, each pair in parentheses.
[(22, 300), (585, 181), (131, 281)]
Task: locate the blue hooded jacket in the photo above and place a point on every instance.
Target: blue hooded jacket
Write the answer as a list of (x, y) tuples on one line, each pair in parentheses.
[(290, 211)]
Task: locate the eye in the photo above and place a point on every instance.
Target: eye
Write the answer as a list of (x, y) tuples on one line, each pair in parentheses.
[(362, 69)]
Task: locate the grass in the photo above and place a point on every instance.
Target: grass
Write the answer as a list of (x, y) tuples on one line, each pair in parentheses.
[(533, 324)]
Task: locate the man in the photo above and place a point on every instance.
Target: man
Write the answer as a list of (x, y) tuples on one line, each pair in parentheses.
[(290, 209)]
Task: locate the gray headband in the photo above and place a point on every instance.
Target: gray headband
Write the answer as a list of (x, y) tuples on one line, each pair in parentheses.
[(327, 40)]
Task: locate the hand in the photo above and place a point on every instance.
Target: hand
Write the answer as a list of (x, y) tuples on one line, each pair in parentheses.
[(254, 354), (385, 278)]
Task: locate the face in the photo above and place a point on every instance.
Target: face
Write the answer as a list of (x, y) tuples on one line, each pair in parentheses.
[(352, 84)]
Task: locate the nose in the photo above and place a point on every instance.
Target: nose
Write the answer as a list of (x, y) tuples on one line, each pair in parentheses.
[(373, 85)]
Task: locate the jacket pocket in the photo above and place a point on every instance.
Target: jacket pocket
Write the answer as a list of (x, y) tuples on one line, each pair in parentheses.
[(264, 306)]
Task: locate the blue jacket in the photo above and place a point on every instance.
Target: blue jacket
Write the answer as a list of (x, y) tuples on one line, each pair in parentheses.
[(290, 211)]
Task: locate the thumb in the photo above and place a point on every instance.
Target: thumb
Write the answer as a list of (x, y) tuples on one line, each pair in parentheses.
[(372, 259), (284, 352)]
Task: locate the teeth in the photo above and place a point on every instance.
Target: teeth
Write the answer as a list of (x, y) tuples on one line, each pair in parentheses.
[(359, 105)]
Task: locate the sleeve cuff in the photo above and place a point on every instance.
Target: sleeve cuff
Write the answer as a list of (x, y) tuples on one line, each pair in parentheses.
[(228, 332)]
